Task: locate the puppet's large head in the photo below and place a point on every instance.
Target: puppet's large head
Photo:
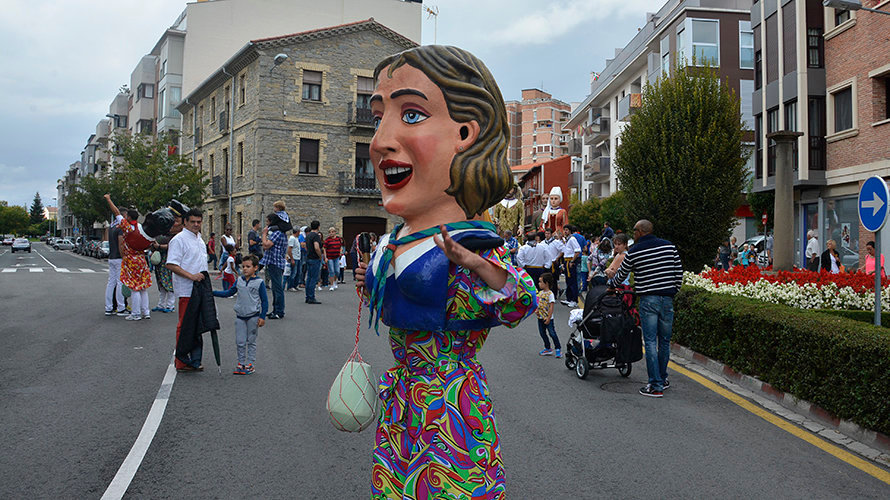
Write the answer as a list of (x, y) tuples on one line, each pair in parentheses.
[(555, 196), (442, 128)]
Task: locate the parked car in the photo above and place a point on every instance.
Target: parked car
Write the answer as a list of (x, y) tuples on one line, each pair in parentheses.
[(63, 244), (759, 245), (21, 244), (102, 250), (8, 239)]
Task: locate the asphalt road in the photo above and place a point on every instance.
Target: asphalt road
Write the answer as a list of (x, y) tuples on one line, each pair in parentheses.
[(76, 388)]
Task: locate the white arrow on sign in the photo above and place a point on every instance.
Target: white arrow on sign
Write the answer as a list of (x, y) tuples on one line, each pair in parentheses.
[(875, 204)]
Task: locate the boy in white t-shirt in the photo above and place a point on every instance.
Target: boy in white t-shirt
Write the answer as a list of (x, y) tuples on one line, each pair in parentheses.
[(230, 273), (293, 258)]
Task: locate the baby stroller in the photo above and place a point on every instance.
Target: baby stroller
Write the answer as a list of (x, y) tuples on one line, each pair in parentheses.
[(608, 334)]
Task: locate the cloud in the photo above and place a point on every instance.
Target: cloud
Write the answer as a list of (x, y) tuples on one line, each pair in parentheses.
[(544, 23), (20, 183)]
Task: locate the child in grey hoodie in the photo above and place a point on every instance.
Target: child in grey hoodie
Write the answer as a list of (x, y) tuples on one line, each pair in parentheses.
[(251, 307)]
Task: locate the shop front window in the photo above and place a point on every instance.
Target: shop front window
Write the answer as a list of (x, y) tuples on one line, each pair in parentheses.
[(842, 226)]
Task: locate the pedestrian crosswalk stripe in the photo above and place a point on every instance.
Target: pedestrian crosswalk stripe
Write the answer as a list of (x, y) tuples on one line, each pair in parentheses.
[(84, 270), (62, 270), (44, 269), (9, 270), (36, 269)]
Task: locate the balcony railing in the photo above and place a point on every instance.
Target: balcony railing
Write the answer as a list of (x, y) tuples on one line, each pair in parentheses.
[(218, 186), (573, 147), (353, 185), (600, 169), (628, 105), (357, 116), (817, 153)]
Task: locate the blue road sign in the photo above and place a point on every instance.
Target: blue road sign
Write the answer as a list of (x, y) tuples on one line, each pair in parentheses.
[(873, 197)]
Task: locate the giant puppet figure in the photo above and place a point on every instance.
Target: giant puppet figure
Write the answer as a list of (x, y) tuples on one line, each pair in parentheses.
[(509, 214), (441, 279), (554, 217)]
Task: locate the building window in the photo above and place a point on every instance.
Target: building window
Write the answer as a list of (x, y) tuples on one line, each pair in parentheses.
[(363, 93), (817, 129), (772, 125), (705, 38), (210, 164), (242, 89), (163, 69), (311, 85), (144, 127), (200, 165), (666, 56), (791, 116), (225, 165), (842, 104), (161, 109), (815, 49), (200, 117), (886, 95), (746, 45), (213, 110), (758, 146), (841, 16), (241, 158), (758, 70), (145, 90), (364, 169), (681, 45), (308, 156), (175, 99)]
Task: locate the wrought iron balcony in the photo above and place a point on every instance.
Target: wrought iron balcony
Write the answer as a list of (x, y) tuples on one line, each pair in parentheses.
[(362, 186), (359, 117)]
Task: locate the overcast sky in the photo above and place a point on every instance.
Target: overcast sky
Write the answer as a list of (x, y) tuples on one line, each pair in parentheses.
[(64, 61)]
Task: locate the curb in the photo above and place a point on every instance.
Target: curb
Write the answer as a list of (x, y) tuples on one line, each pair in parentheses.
[(865, 442)]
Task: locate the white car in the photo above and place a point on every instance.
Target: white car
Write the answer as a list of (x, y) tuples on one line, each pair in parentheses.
[(63, 244), (21, 244)]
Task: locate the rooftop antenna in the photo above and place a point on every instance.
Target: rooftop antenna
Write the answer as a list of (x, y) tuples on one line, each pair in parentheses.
[(433, 11)]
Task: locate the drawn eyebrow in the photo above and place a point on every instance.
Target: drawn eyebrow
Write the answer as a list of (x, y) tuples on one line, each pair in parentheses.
[(376, 97), (402, 92)]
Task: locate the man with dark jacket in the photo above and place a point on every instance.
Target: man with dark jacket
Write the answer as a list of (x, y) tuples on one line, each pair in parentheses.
[(187, 258), (658, 274)]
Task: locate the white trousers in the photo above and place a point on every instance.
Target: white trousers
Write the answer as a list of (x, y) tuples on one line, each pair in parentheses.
[(165, 299), (139, 303), (114, 288)]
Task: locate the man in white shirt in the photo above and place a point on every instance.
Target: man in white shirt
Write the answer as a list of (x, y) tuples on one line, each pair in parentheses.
[(813, 251), (293, 258), (532, 256), (571, 253), (555, 246), (187, 258)]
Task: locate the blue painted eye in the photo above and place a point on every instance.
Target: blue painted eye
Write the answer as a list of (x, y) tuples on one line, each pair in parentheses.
[(376, 122), (413, 116)]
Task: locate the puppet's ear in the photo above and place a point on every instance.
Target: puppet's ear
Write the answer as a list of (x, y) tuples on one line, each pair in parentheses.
[(469, 132)]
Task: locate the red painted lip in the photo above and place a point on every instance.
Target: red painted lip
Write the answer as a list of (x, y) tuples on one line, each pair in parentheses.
[(385, 164)]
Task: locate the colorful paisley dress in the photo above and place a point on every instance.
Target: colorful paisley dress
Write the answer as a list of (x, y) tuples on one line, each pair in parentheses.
[(437, 436), (134, 268)]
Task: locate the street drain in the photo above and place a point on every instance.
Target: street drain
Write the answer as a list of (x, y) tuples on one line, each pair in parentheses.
[(621, 387)]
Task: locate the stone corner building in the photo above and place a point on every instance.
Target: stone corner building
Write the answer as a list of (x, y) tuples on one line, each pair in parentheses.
[(297, 131)]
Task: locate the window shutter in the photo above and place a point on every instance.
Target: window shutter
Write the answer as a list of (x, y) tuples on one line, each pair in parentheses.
[(313, 77), (365, 85), (362, 150), (309, 150)]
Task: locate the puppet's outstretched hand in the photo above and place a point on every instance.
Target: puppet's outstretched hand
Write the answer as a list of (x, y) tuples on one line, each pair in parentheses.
[(494, 276)]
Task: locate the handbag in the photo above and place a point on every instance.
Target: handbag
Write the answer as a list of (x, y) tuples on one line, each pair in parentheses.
[(155, 258), (352, 399)]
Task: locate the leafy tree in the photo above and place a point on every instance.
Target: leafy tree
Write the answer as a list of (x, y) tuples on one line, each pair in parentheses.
[(681, 162), (37, 210), (587, 216), (145, 176), (761, 202), (13, 219), (615, 212)]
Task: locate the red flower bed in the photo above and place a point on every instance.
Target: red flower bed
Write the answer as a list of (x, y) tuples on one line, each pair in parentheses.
[(859, 282)]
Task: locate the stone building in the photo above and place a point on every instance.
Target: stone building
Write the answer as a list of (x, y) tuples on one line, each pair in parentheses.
[(288, 118)]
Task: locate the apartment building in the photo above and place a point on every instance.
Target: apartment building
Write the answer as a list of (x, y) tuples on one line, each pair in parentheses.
[(536, 127), (718, 31), (168, 53), (823, 72), (141, 112), (298, 128), (67, 222)]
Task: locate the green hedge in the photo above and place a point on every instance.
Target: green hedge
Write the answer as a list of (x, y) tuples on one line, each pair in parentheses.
[(838, 363), (863, 316)]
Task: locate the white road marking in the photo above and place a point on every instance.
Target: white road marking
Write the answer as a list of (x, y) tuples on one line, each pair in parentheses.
[(44, 258), (84, 270), (9, 270), (36, 269), (62, 270), (124, 476)]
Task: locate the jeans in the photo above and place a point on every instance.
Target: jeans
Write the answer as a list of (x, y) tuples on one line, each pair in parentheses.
[(543, 329), (333, 270), (275, 275), (657, 319), (313, 267), (113, 291), (292, 279), (211, 259), (223, 257)]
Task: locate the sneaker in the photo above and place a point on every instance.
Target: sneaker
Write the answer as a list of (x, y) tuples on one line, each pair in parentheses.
[(313, 302), (564, 302), (273, 316), (109, 313), (559, 353), (133, 317), (667, 384), (239, 370), (649, 391), (336, 286), (199, 368), (572, 304), (331, 289), (122, 313), (248, 369), (186, 368), (156, 309), (167, 310), (146, 316), (546, 352)]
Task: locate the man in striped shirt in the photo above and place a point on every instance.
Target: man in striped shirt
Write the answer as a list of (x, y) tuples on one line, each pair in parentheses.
[(658, 275)]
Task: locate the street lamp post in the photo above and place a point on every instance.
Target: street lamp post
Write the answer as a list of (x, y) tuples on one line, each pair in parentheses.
[(850, 5)]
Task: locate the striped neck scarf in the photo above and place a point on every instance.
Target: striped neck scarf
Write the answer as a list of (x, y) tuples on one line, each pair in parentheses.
[(382, 269)]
